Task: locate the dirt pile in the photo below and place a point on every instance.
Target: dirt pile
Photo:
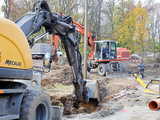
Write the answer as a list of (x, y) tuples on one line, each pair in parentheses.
[(58, 74)]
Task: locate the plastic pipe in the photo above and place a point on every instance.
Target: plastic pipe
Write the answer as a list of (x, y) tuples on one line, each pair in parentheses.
[(154, 105)]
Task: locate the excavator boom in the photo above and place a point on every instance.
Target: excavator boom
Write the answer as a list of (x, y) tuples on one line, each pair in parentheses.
[(64, 27)]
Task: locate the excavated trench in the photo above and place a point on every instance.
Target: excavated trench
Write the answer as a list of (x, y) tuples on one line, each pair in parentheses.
[(58, 84), (121, 95)]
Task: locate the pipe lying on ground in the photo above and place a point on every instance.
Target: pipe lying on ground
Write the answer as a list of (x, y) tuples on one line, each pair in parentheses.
[(154, 105)]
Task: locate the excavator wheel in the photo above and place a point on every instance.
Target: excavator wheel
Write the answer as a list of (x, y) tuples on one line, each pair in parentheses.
[(102, 69), (36, 106)]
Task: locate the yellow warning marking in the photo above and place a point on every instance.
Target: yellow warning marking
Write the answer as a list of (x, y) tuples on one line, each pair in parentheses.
[(144, 85), (150, 91), (140, 81)]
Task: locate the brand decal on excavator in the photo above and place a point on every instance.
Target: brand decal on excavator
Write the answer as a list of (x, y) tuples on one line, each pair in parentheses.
[(11, 62)]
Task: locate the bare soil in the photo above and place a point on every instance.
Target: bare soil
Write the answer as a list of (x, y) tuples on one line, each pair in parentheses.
[(125, 100), (123, 97), (58, 84), (58, 74)]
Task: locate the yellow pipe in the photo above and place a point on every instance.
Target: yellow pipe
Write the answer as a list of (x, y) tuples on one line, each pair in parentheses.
[(150, 91), (140, 81), (144, 85)]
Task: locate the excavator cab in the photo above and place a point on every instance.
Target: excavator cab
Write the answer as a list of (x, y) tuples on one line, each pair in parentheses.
[(105, 50)]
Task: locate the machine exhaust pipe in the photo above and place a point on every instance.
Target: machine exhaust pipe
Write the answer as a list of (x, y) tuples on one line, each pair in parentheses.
[(154, 105)]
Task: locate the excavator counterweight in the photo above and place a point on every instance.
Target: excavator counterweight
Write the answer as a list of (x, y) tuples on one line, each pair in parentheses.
[(15, 53)]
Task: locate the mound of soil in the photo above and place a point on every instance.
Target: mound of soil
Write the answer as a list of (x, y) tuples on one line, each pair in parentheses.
[(58, 74)]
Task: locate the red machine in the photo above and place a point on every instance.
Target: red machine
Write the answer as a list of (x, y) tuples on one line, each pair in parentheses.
[(91, 39), (123, 53), (103, 54)]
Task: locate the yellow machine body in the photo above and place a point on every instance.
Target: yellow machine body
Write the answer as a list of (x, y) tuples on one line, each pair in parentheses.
[(14, 48)]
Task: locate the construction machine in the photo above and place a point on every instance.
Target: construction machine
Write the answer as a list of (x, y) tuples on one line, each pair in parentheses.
[(104, 54), (21, 95), (108, 57)]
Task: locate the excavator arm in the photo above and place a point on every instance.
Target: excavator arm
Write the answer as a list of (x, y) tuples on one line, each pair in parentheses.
[(55, 24), (80, 29)]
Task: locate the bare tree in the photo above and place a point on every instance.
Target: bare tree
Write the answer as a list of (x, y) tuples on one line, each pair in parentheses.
[(154, 25), (18, 8), (95, 16), (7, 8), (110, 9)]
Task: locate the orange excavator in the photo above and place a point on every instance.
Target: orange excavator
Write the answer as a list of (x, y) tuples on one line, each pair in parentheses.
[(91, 38), (79, 28), (103, 54)]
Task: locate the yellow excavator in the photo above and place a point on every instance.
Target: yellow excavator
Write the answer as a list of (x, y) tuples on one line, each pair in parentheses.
[(21, 97)]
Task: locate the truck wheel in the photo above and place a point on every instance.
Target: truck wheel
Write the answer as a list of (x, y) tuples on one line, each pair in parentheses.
[(36, 106), (122, 67), (102, 69)]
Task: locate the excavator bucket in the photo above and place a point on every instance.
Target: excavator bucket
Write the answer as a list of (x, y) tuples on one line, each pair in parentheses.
[(93, 91)]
